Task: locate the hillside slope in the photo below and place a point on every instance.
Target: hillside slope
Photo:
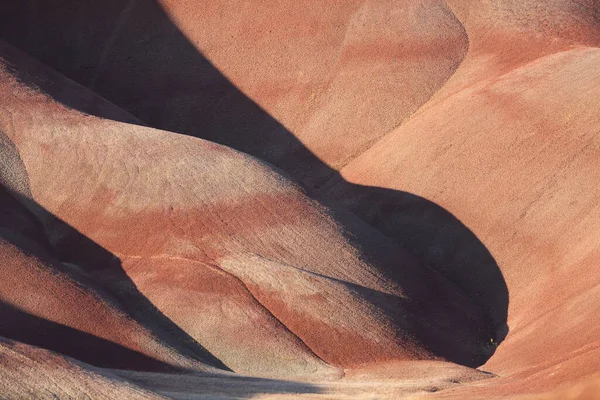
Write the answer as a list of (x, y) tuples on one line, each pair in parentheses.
[(235, 255), (362, 198)]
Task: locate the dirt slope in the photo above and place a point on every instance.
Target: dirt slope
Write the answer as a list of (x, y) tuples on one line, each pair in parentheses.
[(223, 245), (56, 305), (31, 372), (511, 150), (325, 72), (448, 154)]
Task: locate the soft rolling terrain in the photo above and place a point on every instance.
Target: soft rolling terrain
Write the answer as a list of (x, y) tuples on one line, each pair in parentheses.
[(359, 199)]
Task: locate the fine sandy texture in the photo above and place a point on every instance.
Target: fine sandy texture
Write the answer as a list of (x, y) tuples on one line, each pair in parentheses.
[(358, 199), (224, 235)]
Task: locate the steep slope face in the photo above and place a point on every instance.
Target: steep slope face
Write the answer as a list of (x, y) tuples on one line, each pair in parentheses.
[(51, 304), (219, 241), (510, 147), (43, 304), (359, 80), (271, 282), (507, 35), (27, 371), (325, 71)]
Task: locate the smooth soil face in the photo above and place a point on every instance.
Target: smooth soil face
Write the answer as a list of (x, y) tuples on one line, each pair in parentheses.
[(269, 200)]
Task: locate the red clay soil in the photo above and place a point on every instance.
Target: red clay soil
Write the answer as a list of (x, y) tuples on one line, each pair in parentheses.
[(56, 305), (410, 192), (187, 217), (30, 372), (511, 151), (325, 71)]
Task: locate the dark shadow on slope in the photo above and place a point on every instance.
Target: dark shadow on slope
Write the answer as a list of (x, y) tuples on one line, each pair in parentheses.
[(19, 227), (131, 53), (34, 229), (215, 385), (436, 237), (102, 271), (26, 328), (63, 89)]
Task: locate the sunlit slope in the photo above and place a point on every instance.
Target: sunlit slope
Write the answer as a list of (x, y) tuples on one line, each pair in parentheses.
[(234, 254), (272, 79), (510, 147)]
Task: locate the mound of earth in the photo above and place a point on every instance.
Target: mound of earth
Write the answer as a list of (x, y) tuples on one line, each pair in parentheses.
[(246, 199)]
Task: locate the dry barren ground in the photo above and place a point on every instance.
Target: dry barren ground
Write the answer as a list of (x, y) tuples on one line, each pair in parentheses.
[(361, 199)]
